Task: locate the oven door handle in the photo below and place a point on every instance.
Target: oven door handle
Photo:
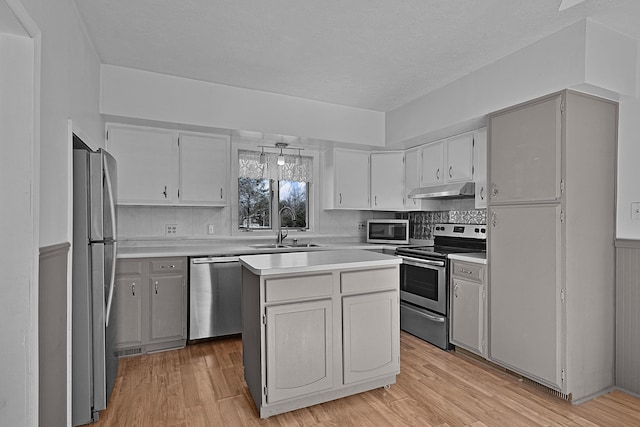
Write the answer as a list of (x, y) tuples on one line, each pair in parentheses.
[(427, 315), (418, 262)]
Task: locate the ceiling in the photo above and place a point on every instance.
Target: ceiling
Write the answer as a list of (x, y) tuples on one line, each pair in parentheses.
[(373, 54)]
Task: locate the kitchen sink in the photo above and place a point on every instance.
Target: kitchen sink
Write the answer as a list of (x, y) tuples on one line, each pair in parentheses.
[(304, 245), (280, 245)]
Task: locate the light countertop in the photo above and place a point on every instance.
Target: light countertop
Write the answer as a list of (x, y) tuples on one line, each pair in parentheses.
[(303, 262), (475, 257)]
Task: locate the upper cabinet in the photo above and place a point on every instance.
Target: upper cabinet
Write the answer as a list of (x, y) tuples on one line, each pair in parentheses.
[(147, 167), (346, 183), (387, 180), (480, 167), (449, 160), (167, 167), (525, 157)]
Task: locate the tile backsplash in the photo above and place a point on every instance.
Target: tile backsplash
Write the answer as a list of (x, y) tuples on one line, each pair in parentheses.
[(421, 223)]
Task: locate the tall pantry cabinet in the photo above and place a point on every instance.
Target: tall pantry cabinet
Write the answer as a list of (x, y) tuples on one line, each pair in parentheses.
[(551, 168)]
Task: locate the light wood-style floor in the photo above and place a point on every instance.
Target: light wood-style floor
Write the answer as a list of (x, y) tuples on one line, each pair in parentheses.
[(202, 385)]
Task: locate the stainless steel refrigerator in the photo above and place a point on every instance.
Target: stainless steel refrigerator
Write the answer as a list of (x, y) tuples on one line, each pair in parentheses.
[(94, 364)]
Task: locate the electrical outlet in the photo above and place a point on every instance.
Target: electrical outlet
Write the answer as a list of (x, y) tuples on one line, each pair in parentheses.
[(170, 229), (211, 229), (635, 210), (361, 226)]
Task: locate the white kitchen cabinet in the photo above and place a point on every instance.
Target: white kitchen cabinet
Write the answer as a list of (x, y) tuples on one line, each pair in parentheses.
[(387, 180), (147, 166), (168, 167), (432, 164), (346, 180), (150, 304), (370, 331), (449, 160), (468, 311), (204, 169), (551, 253), (413, 171), (480, 168), (294, 330)]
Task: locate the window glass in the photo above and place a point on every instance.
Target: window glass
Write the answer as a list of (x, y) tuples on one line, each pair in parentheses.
[(294, 195), (254, 204)]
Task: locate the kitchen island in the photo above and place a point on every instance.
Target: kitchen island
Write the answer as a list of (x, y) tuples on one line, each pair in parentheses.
[(318, 326)]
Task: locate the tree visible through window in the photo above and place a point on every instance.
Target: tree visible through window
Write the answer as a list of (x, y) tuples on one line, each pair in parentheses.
[(254, 203)]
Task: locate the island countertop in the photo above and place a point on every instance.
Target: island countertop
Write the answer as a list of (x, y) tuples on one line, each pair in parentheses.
[(300, 262)]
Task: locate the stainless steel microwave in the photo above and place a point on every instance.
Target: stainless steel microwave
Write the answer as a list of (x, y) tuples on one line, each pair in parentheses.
[(388, 231)]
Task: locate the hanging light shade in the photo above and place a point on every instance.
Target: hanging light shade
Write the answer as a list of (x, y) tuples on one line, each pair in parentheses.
[(280, 161), (263, 160)]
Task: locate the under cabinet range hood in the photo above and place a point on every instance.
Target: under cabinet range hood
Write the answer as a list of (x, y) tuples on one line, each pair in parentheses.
[(446, 191)]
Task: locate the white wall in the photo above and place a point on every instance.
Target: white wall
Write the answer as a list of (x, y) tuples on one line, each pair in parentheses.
[(140, 94), (70, 85), (18, 367)]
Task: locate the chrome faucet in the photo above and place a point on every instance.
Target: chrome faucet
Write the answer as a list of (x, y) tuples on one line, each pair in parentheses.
[(280, 237)]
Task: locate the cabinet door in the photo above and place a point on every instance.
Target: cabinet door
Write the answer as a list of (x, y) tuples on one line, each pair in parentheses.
[(432, 164), (147, 164), (459, 158), (128, 294), (413, 167), (204, 169), (387, 181), (480, 168), (525, 283), (299, 347), (371, 336), (525, 153), (467, 315), (352, 179), (167, 307)]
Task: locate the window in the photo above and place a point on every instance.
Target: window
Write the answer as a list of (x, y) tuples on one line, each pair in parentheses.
[(265, 188)]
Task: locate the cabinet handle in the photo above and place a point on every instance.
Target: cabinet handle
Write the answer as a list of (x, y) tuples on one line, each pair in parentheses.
[(450, 174), (455, 291), (340, 198), (482, 193), (156, 287), (165, 192), (133, 289), (168, 266), (438, 173), (494, 189), (462, 270), (375, 200), (494, 219), (220, 193)]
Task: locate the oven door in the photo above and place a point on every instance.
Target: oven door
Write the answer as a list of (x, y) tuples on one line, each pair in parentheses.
[(424, 283)]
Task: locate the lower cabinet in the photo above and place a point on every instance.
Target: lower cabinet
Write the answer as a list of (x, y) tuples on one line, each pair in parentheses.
[(370, 330), (468, 307), (310, 338), (150, 305), (294, 330)]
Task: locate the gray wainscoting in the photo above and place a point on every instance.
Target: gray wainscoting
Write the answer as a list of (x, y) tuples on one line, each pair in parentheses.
[(52, 335), (628, 315)]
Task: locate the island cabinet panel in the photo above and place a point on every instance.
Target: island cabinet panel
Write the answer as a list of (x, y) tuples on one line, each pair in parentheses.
[(368, 280), (371, 328), (295, 288), (293, 330)]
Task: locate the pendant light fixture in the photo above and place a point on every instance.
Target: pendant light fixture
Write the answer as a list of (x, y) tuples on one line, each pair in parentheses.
[(281, 146), (298, 158)]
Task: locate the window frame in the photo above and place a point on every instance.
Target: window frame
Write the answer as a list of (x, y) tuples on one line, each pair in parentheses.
[(313, 193)]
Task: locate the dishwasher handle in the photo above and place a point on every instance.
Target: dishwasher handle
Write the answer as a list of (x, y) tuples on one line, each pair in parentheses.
[(218, 259)]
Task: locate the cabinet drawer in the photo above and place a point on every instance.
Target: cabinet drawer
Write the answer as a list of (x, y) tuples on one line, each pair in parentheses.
[(369, 280), (168, 265), (468, 271), (130, 267), (300, 287)]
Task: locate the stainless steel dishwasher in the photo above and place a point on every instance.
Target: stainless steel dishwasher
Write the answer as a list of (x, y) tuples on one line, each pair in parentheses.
[(215, 292)]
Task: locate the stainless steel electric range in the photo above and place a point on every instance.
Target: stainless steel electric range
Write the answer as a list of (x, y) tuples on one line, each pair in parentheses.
[(424, 280)]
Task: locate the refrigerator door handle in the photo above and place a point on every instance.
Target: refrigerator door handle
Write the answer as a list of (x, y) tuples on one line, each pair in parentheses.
[(112, 201), (112, 285)]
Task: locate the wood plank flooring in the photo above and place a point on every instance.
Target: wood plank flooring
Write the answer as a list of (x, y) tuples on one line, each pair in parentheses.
[(203, 385)]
